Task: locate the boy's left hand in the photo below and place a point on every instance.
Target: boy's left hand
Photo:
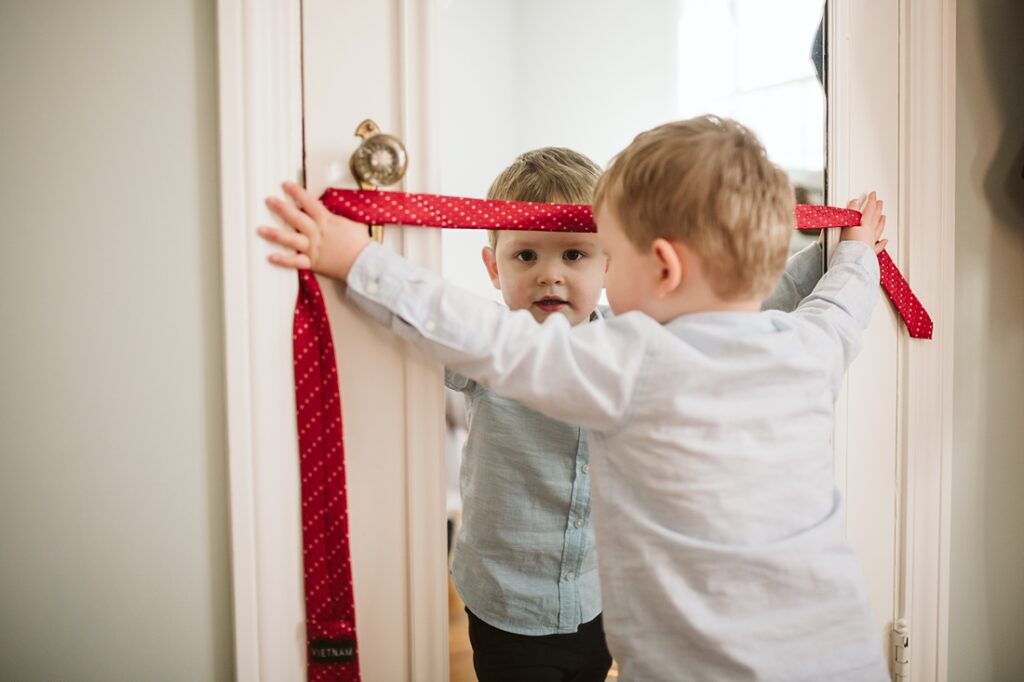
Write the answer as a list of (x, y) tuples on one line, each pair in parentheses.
[(319, 240), (872, 223)]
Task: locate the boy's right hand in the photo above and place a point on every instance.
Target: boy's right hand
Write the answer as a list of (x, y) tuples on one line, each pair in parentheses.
[(872, 223), (319, 240)]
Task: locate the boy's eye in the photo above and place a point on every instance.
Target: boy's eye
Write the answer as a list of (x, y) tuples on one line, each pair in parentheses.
[(526, 256), (573, 255)]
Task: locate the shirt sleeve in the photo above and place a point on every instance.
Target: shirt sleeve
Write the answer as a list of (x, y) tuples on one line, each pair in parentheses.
[(584, 375), (803, 270), (837, 311)]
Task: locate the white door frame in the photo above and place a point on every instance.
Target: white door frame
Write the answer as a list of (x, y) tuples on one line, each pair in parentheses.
[(927, 258), (396, 492), (262, 143), (901, 140)]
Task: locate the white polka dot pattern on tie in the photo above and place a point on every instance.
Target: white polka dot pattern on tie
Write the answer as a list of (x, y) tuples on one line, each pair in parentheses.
[(327, 575), (819, 217), (435, 210), (919, 323)]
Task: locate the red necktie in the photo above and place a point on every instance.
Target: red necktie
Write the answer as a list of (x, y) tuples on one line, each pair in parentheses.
[(919, 323), (433, 210), (330, 610)]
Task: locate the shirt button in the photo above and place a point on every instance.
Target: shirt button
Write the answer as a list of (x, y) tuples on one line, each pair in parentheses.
[(578, 523), (570, 576), (430, 326), (372, 287), (585, 468)]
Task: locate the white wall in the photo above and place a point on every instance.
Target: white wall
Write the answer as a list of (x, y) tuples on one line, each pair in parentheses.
[(478, 117), (986, 628), (113, 494)]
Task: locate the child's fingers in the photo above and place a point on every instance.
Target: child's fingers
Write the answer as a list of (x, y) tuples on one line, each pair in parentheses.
[(291, 215), (880, 246), (871, 203), (880, 228), (286, 238), (869, 212), (857, 203), (877, 215), (295, 261), (306, 201)]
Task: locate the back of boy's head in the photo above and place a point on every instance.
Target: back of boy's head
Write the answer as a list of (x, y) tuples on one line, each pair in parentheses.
[(707, 182), (550, 175)]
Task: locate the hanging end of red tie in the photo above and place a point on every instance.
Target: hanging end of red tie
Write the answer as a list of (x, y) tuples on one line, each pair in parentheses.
[(922, 332), (918, 321)]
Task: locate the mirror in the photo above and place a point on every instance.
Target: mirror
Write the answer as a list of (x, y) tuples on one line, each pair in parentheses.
[(516, 75)]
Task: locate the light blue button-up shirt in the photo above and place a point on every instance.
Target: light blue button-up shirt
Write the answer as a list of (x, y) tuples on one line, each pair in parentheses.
[(718, 525), (524, 556)]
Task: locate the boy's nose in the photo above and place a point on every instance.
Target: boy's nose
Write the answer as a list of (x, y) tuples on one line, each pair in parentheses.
[(551, 275)]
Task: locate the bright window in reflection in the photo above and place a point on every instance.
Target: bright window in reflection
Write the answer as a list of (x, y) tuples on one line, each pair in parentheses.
[(515, 75), (752, 61)]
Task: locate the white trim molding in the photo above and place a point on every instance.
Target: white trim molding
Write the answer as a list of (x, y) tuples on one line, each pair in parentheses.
[(259, 43), (884, 119), (927, 151), (424, 407)]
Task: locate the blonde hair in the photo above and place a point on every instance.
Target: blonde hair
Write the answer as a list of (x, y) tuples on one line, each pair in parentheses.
[(550, 175), (706, 181)]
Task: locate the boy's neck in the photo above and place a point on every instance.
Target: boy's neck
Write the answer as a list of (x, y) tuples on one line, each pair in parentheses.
[(744, 306), (690, 301)]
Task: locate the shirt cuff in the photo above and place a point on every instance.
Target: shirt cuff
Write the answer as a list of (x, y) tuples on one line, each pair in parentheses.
[(372, 277), (419, 302)]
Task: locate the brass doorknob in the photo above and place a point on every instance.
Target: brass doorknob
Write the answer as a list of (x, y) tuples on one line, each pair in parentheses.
[(380, 160)]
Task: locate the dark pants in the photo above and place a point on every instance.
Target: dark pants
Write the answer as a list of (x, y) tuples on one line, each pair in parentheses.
[(500, 656)]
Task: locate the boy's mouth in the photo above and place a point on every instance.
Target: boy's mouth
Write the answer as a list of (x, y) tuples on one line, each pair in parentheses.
[(551, 304)]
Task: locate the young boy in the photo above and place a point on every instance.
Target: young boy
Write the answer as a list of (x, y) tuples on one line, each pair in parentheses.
[(709, 422), (524, 483)]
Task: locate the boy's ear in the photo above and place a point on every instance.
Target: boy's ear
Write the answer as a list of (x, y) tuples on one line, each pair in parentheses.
[(491, 263), (671, 258)]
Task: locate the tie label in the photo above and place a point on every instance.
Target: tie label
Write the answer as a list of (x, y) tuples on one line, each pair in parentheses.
[(332, 651)]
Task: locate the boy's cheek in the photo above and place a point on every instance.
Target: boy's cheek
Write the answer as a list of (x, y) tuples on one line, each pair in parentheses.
[(516, 295)]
